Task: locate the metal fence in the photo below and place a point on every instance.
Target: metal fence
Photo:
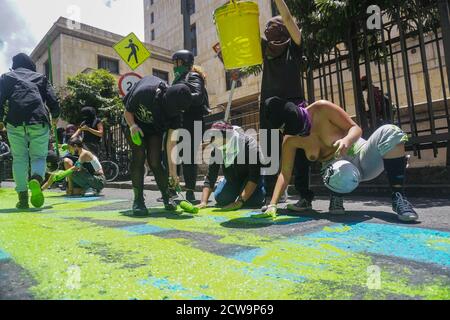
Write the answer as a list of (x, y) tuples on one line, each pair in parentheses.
[(411, 74)]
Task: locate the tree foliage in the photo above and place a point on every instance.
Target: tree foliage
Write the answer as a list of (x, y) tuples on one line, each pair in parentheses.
[(326, 23), (98, 90)]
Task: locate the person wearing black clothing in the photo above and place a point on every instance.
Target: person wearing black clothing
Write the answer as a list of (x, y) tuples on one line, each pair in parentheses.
[(238, 155), (283, 59), (92, 130), (32, 104), (190, 75), (145, 116)]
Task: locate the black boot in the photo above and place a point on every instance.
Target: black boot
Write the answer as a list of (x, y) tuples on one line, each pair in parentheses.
[(139, 208), (23, 201)]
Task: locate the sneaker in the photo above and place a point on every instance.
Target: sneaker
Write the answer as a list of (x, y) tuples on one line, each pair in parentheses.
[(90, 193), (37, 197), (337, 205), (170, 204), (301, 206), (404, 208)]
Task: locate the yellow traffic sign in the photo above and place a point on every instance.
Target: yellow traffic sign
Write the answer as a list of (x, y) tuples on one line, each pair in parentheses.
[(132, 51)]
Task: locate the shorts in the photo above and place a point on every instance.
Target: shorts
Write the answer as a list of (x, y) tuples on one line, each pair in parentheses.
[(367, 156)]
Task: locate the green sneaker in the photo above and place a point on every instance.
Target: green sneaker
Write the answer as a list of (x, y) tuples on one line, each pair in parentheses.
[(37, 196)]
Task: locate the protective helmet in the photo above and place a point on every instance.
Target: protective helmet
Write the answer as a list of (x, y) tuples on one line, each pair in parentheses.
[(184, 55), (341, 177)]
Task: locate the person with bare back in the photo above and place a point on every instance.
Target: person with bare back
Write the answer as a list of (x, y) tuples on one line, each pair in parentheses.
[(328, 135)]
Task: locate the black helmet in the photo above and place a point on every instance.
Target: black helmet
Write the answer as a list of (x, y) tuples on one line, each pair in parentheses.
[(184, 55)]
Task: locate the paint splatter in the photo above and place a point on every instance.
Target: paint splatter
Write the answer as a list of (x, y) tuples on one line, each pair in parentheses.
[(164, 256)]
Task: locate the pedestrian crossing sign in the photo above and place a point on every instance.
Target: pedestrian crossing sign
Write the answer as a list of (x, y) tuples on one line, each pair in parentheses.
[(132, 51)]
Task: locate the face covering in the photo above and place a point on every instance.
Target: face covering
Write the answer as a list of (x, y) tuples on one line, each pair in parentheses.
[(179, 72), (278, 38)]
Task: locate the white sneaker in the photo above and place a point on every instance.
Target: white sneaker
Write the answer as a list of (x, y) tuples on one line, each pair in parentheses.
[(90, 193)]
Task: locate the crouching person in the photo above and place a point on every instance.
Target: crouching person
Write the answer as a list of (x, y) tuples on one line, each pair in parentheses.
[(239, 155), (88, 178), (328, 135)]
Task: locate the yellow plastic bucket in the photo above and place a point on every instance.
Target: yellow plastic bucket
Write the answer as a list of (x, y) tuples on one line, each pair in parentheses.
[(237, 24)]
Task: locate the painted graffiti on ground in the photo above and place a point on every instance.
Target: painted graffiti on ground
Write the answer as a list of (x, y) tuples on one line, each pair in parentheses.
[(87, 250)]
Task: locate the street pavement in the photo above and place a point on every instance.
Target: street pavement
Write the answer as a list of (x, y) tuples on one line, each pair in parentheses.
[(76, 248)]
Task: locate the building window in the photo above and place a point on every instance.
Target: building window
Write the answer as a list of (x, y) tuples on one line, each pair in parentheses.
[(112, 65), (153, 35), (152, 18), (229, 81), (193, 37), (191, 7), (163, 75), (152, 2)]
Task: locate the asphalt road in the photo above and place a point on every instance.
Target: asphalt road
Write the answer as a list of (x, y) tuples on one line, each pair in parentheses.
[(93, 249)]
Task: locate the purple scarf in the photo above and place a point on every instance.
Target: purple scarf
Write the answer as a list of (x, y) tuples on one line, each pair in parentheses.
[(305, 118)]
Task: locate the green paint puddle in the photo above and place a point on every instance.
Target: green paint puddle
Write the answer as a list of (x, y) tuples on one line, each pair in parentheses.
[(71, 258)]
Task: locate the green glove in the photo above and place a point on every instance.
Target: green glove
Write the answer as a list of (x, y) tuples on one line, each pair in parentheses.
[(137, 139), (61, 175)]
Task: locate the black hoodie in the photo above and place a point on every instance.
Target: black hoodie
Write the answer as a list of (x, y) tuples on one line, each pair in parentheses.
[(29, 94)]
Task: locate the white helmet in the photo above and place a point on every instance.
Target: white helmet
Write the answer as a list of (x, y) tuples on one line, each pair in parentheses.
[(342, 177)]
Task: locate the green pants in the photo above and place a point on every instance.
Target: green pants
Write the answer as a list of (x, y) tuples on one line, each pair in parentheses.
[(29, 146), (85, 180)]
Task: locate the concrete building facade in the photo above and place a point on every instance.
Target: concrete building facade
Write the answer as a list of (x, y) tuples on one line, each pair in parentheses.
[(80, 48)]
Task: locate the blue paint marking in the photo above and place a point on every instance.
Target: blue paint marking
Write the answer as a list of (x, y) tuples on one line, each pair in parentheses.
[(144, 229), (82, 199), (4, 256), (164, 284), (247, 255), (422, 245), (216, 219)]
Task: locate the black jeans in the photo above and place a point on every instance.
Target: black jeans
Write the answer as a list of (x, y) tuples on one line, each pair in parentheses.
[(190, 169), (150, 150), (301, 166)]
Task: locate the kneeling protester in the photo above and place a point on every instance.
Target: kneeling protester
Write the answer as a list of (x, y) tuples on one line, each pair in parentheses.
[(240, 157), (87, 172)]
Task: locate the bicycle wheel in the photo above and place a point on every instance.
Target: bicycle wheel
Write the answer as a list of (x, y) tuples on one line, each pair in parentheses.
[(111, 170)]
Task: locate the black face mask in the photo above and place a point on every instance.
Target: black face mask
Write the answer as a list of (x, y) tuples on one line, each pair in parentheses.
[(88, 115)]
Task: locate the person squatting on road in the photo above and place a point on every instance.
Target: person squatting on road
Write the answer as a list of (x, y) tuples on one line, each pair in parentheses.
[(147, 116), (240, 158), (194, 78), (87, 178), (328, 135), (28, 125), (91, 130)]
